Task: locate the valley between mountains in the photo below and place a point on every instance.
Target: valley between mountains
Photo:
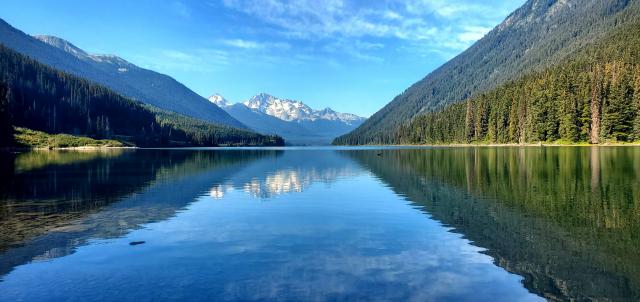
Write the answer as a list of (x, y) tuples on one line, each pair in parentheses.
[(558, 71), (182, 118)]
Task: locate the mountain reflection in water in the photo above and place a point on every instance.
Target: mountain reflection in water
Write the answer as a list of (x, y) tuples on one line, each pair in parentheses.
[(336, 224)]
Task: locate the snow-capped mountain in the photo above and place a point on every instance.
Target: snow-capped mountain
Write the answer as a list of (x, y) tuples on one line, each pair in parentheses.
[(295, 121), (291, 110), (219, 100), (329, 114)]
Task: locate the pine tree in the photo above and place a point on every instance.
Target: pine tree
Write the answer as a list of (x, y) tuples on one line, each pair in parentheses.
[(6, 128), (568, 110), (522, 121), (596, 103), (481, 119), (469, 122), (636, 102)]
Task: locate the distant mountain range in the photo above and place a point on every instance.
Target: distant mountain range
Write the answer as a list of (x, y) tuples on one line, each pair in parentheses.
[(538, 35), (117, 74), (296, 122)]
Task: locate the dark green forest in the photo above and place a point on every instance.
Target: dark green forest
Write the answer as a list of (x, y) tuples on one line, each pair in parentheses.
[(537, 36), (38, 97), (201, 133), (6, 129), (594, 96)]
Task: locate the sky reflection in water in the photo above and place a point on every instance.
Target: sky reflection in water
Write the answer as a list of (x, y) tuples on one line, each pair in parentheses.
[(254, 225)]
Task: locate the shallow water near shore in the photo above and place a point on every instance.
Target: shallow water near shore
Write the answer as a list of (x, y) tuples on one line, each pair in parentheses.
[(300, 224)]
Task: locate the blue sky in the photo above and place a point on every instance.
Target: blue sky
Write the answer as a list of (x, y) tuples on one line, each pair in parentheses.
[(352, 56)]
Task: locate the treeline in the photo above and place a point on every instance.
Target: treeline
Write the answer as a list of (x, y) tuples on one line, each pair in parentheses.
[(202, 133), (592, 97), (38, 97)]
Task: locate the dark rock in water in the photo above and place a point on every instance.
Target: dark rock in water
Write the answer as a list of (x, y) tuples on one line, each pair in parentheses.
[(136, 242)]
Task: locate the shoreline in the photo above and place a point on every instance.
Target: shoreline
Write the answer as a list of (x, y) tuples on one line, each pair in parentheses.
[(524, 145), (105, 148), (80, 148)]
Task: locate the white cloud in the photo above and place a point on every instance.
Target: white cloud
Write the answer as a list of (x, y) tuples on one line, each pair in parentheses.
[(445, 26), (247, 44), (473, 33), (326, 18), (182, 9), (391, 15), (167, 60), (239, 43)]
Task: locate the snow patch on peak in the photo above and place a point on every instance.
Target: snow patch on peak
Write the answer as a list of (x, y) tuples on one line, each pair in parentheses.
[(219, 100), (292, 110), (110, 59), (284, 109), (77, 52), (63, 45)]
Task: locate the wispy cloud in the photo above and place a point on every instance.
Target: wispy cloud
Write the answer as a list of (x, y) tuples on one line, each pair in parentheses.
[(239, 43), (167, 60), (472, 33), (181, 9), (444, 26), (357, 49), (248, 44), (390, 18)]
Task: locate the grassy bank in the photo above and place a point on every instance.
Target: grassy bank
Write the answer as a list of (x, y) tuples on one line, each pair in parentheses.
[(27, 138)]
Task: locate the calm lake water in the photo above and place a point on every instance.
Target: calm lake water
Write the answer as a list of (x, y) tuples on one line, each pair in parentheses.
[(300, 224)]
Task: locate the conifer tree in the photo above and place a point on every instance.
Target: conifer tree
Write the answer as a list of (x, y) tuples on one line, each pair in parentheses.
[(6, 128), (636, 103), (469, 122)]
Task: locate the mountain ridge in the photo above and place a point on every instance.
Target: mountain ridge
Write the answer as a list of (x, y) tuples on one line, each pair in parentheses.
[(39, 97), (134, 82), (293, 110), (298, 123)]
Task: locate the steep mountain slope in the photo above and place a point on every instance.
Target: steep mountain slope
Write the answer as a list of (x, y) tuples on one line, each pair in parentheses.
[(298, 123), (123, 77), (594, 96), (38, 97), (539, 34)]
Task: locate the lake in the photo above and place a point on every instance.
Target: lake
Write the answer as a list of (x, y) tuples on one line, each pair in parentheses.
[(316, 224)]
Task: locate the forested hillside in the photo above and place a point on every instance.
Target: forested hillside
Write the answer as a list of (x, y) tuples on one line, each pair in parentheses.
[(38, 97), (6, 129), (540, 34), (116, 74), (594, 96)]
